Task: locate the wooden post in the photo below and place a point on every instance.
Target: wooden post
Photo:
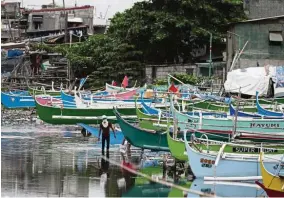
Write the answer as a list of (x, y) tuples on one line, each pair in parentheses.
[(236, 114)]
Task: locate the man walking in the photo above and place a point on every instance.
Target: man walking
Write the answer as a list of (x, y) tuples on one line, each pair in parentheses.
[(105, 128)]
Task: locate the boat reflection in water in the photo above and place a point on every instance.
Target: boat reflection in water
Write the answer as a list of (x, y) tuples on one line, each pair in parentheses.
[(226, 189)]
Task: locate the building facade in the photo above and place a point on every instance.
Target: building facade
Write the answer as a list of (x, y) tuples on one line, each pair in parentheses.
[(53, 19), (264, 39)]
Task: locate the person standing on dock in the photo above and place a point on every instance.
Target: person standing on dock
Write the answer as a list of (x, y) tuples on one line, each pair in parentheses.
[(105, 127)]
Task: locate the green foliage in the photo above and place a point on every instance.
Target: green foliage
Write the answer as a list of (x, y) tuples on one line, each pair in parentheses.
[(185, 78), (151, 32)]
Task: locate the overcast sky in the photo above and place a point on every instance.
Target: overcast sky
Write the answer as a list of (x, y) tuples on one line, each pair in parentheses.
[(101, 6)]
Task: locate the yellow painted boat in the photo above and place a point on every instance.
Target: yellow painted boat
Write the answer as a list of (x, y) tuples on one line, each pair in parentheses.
[(272, 184)]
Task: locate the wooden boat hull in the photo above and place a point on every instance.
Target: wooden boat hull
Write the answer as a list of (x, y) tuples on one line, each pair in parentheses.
[(203, 164), (13, 101), (266, 112), (177, 148), (272, 184), (59, 115), (221, 125), (270, 192), (142, 138)]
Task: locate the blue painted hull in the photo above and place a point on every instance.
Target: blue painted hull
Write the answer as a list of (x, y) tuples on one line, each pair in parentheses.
[(202, 164), (13, 101), (243, 114), (265, 112), (95, 132)]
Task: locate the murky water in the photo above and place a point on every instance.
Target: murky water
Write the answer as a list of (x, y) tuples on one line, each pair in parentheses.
[(49, 161)]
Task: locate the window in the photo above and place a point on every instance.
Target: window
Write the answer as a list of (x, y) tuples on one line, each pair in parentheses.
[(189, 71), (275, 37)]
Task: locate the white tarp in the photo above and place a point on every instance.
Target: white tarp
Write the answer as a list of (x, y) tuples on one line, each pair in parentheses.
[(253, 79)]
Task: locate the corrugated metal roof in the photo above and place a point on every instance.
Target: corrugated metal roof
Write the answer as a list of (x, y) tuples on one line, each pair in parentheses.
[(261, 19)]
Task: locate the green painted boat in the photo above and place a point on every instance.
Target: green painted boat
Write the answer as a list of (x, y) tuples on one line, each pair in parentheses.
[(142, 138), (177, 148), (147, 121), (59, 115), (177, 192)]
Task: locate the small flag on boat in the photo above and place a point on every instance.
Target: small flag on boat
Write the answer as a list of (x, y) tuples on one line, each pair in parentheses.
[(124, 82), (173, 88)]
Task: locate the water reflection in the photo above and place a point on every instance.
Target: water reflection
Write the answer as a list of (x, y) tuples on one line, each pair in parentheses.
[(63, 163), (49, 164), (226, 189)]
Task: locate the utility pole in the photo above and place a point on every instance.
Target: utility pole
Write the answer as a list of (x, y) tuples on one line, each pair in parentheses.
[(210, 54), (66, 21)]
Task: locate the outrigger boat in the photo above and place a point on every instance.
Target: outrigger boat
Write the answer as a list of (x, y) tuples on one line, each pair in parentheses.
[(115, 89), (142, 138), (224, 164), (13, 100), (273, 184), (211, 124), (56, 114)]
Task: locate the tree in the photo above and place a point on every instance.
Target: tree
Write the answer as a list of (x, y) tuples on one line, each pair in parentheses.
[(157, 31)]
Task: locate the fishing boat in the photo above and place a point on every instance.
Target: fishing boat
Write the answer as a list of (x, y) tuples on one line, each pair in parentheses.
[(142, 138), (70, 101), (56, 114), (12, 100), (147, 121), (266, 112), (95, 132), (177, 148), (216, 125), (272, 183), (224, 164), (115, 89), (42, 91)]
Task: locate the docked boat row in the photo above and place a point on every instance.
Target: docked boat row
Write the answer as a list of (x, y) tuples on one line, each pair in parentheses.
[(219, 137)]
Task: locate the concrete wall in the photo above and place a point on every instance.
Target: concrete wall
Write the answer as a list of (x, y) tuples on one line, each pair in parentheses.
[(259, 48), (11, 9), (161, 71), (263, 8)]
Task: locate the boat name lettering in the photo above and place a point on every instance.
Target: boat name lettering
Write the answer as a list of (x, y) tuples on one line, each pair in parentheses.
[(253, 150), (206, 162), (267, 125), (207, 191)]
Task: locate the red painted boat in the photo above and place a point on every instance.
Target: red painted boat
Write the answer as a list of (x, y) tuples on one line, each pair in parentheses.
[(270, 192)]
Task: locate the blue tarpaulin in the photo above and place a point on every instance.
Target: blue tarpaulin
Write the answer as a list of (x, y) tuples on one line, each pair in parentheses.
[(14, 52)]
